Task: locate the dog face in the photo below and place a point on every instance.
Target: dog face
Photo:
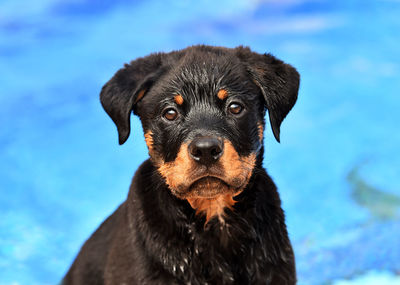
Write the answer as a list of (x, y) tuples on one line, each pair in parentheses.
[(202, 111)]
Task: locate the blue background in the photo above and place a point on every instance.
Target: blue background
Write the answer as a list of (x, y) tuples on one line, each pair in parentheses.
[(337, 168)]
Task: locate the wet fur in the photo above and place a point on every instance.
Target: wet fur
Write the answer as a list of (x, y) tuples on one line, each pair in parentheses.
[(165, 234)]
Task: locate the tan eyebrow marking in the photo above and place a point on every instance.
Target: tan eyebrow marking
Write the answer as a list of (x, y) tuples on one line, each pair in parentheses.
[(178, 99), (222, 94)]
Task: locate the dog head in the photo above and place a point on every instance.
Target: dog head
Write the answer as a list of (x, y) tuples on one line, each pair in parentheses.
[(202, 111)]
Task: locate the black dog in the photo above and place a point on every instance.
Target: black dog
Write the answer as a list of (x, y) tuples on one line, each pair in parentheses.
[(202, 210)]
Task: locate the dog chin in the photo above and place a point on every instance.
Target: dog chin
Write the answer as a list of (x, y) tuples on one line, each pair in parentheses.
[(206, 187)]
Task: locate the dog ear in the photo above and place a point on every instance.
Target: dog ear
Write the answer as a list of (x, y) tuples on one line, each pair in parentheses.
[(128, 86), (279, 84)]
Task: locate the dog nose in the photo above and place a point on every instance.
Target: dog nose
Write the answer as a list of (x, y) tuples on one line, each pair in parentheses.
[(206, 150)]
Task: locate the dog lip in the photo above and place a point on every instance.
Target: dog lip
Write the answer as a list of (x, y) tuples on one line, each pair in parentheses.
[(183, 190), (200, 179), (189, 189), (201, 187), (236, 183), (208, 177)]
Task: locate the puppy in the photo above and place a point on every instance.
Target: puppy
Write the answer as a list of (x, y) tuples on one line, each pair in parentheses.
[(202, 209)]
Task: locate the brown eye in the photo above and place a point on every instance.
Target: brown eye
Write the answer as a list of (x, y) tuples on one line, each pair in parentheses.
[(170, 114), (235, 108)]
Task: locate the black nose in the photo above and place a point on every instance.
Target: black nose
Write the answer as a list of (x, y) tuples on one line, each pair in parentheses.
[(206, 150)]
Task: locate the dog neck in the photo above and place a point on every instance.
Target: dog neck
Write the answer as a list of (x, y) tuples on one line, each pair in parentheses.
[(211, 207)]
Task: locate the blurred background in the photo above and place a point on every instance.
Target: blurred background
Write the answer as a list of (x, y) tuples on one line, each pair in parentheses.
[(337, 167)]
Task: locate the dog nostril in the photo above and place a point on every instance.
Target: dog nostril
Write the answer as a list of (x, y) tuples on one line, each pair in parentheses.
[(216, 151), (196, 153), (206, 150)]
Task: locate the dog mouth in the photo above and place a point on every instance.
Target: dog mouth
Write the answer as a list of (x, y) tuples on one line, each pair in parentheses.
[(209, 187), (188, 179)]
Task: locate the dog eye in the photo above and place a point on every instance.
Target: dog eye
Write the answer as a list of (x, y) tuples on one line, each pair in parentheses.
[(235, 108), (170, 114)]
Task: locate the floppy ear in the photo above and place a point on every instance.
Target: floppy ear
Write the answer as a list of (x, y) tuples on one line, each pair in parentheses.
[(279, 84), (119, 95)]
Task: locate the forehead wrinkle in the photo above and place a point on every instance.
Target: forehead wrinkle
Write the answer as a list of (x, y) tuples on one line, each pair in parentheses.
[(199, 76), (204, 109), (204, 90)]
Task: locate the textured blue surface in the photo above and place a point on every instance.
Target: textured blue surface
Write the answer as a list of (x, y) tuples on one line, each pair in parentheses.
[(337, 168)]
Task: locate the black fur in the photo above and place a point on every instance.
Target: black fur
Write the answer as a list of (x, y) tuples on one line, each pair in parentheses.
[(154, 237)]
